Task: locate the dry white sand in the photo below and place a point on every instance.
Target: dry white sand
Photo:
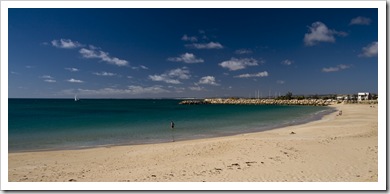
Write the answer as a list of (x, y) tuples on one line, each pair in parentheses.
[(335, 148)]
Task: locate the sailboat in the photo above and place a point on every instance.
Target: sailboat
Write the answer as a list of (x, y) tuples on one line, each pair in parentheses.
[(75, 98)]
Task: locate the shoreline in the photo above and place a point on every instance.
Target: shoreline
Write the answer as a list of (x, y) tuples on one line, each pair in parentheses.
[(308, 118), (335, 148)]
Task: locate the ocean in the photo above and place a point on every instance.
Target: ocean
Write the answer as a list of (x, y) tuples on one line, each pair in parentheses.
[(52, 124)]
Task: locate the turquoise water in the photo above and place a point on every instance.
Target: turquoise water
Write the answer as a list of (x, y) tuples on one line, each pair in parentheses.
[(47, 124)]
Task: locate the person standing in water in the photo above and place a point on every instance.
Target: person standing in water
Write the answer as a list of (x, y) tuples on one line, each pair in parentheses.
[(172, 127)]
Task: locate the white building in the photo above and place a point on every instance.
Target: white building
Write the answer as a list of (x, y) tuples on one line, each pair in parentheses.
[(364, 96), (344, 97)]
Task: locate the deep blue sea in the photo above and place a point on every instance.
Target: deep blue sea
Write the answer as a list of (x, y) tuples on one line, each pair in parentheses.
[(50, 124)]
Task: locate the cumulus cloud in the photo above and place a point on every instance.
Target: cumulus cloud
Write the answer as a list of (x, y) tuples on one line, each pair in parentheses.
[(72, 69), (130, 90), (74, 80), (336, 68), (46, 77), (196, 88), (370, 50), (141, 90), (236, 64), (319, 32), (104, 74), (104, 56), (140, 67), (210, 45), (360, 21), (65, 44), (177, 89), (162, 78), (287, 62), (186, 58), (209, 80), (89, 52), (172, 76), (243, 51), (143, 67), (181, 73), (260, 74), (189, 38), (280, 82)]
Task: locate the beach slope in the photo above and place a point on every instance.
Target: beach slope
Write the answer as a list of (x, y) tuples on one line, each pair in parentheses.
[(336, 148)]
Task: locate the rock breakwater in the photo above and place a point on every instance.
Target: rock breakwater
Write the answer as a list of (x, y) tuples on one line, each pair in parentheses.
[(194, 102), (307, 102)]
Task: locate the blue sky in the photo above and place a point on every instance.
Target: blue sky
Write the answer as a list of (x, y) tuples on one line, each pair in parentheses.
[(153, 53)]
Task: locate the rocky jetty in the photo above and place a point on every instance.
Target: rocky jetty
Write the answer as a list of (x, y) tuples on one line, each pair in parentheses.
[(194, 102), (307, 102)]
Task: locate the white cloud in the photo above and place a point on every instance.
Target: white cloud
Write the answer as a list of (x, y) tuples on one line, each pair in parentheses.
[(177, 89), (360, 21), (243, 51), (181, 73), (260, 74), (72, 69), (140, 67), (65, 43), (130, 90), (46, 77), (103, 73), (104, 56), (143, 67), (196, 88), (287, 62), (319, 32), (336, 68), (189, 38), (186, 58), (209, 80), (370, 50), (236, 64), (163, 78), (74, 80), (172, 76), (142, 90), (210, 45), (94, 47), (280, 82)]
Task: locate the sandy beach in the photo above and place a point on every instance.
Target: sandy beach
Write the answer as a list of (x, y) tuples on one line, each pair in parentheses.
[(334, 149)]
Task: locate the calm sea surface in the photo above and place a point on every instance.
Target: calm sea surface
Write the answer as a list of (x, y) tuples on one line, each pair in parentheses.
[(47, 124)]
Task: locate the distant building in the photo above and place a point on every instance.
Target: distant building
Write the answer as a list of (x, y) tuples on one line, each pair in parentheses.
[(343, 97), (340, 97), (364, 96)]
